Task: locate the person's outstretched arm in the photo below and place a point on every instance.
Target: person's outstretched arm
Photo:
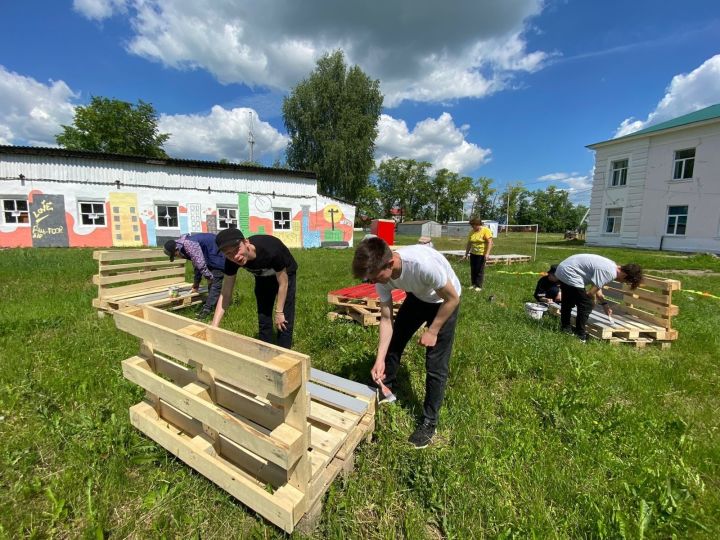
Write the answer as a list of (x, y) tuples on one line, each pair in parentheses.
[(225, 299)]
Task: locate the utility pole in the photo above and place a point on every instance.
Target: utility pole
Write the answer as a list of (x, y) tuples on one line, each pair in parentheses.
[(251, 136), (507, 213)]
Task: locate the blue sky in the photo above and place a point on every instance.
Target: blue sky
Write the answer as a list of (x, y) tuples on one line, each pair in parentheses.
[(511, 89)]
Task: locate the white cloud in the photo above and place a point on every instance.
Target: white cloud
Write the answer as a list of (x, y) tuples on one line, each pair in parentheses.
[(417, 50), (221, 134), (99, 9), (438, 141), (577, 185), (31, 112), (686, 93)]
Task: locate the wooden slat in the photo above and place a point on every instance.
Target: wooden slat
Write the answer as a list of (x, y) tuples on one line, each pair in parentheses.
[(132, 290), (239, 370), (274, 509), (138, 276), (336, 399), (326, 439), (342, 420), (340, 384), (128, 254), (106, 268)]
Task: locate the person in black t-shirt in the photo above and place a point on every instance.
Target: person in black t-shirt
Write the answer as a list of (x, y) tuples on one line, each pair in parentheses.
[(547, 289), (274, 268)]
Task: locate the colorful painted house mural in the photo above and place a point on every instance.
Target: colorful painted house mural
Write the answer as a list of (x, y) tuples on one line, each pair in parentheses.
[(53, 197)]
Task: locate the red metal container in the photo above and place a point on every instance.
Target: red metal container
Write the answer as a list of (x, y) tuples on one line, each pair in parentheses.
[(384, 228)]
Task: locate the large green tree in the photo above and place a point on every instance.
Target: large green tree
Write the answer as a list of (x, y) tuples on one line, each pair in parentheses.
[(483, 198), (404, 184), (332, 118), (449, 191), (115, 127)]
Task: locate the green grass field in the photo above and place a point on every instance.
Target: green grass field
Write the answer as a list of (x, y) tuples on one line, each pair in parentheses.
[(540, 435)]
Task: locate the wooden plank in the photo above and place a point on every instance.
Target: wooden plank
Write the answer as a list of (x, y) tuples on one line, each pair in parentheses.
[(662, 283), (106, 268), (274, 509), (239, 370), (326, 439), (282, 446), (115, 292), (342, 420), (340, 384), (127, 254), (336, 399), (144, 276)]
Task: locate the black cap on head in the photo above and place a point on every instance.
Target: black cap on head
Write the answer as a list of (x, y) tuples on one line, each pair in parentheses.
[(169, 249), (229, 237)]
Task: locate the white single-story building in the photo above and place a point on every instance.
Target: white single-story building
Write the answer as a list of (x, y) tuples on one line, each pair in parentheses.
[(420, 228), (52, 197), (659, 188)]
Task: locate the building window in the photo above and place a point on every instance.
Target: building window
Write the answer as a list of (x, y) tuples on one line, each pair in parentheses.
[(227, 217), (15, 211), (613, 220), (619, 172), (92, 213), (281, 220), (677, 220), (684, 164), (167, 216)]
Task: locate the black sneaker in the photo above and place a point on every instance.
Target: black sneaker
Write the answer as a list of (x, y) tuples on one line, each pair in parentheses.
[(566, 330), (203, 314), (583, 338), (423, 434)]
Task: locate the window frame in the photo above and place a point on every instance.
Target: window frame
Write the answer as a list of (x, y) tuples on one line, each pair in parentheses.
[(622, 180), (288, 220), (177, 216), (93, 202), (684, 164), (219, 219), (15, 200), (616, 220), (675, 218)]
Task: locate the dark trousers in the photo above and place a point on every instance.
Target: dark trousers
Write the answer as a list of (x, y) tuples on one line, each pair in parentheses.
[(477, 270), (214, 290), (410, 317), (571, 297), (266, 289)]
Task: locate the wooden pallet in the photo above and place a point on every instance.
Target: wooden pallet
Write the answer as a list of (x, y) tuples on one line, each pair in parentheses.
[(641, 316), (361, 303), (511, 258), (141, 276), (253, 418)]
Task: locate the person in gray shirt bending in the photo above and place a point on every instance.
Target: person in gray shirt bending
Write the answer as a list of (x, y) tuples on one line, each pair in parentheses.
[(577, 272)]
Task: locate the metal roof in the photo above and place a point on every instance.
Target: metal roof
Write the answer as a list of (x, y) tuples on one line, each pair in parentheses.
[(703, 115), (174, 162)]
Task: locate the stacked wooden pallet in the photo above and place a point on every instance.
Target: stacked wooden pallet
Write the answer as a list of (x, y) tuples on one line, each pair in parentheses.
[(511, 258), (360, 303), (252, 417), (141, 276), (640, 317)]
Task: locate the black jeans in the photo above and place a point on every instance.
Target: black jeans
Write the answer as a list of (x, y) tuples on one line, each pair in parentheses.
[(410, 317), (477, 270), (214, 290), (266, 289), (571, 297)]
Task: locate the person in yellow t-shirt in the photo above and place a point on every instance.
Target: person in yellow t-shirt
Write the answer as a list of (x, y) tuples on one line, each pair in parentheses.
[(479, 245)]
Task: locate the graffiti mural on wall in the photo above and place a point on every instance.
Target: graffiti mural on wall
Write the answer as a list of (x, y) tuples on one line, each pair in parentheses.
[(122, 219)]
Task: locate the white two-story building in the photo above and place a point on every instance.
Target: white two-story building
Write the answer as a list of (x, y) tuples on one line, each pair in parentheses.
[(659, 188)]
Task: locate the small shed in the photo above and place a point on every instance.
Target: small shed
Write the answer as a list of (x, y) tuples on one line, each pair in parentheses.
[(420, 228)]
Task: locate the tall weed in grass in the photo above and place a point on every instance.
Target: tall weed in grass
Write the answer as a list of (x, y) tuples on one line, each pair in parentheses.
[(540, 435)]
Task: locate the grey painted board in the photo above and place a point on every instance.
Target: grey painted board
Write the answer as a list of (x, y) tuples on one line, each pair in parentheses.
[(326, 395), (47, 220), (344, 384)]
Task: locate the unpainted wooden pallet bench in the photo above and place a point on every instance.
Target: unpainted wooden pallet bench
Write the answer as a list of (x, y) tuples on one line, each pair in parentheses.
[(640, 317), (141, 276), (360, 303), (510, 258), (254, 418)]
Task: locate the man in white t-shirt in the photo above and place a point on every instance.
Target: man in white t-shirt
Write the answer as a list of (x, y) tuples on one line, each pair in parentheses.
[(433, 297), (578, 271)]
